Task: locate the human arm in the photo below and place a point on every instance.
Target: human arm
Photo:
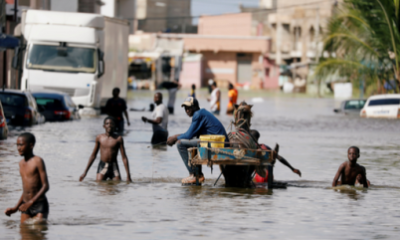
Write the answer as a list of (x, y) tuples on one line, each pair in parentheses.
[(127, 118), (337, 176), (219, 96), (155, 121), (172, 140), (12, 210), (45, 185), (287, 164), (195, 127), (364, 177), (125, 161), (92, 158)]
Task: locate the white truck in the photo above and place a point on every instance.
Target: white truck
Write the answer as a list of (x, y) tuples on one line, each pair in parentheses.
[(64, 52)]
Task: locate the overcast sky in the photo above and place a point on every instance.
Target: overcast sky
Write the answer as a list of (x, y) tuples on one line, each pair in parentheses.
[(209, 7)]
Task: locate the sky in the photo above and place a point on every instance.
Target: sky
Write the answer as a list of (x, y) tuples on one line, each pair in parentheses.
[(210, 7)]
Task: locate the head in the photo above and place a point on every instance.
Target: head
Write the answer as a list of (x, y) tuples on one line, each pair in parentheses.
[(25, 143), (191, 105), (116, 92), (353, 153), (214, 85), (255, 134), (243, 115), (193, 86), (230, 86), (109, 124), (158, 98), (210, 82)]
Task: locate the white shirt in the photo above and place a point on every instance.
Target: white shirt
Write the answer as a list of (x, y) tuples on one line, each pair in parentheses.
[(214, 100), (160, 111)]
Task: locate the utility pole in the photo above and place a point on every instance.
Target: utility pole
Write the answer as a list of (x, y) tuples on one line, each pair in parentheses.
[(316, 48)]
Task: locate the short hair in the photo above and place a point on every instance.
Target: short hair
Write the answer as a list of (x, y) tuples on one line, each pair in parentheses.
[(116, 90), (109, 118), (255, 134), (230, 85), (159, 94), (356, 148), (193, 86), (214, 83), (29, 137)]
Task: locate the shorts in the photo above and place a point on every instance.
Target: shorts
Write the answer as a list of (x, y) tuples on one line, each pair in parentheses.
[(108, 170), (40, 206), (159, 137)]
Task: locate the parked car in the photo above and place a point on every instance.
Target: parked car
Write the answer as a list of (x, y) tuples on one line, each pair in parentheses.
[(20, 108), (352, 106), (382, 106), (3, 124), (57, 106)]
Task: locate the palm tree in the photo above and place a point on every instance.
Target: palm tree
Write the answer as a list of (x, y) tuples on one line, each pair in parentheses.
[(363, 37)]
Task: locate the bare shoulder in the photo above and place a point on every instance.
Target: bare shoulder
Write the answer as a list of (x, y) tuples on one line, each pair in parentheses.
[(362, 168), (38, 160), (100, 136), (344, 164)]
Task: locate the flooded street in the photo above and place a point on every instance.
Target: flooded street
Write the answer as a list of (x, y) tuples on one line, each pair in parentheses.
[(156, 206)]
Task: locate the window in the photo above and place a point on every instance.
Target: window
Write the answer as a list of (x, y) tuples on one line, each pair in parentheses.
[(388, 101), (50, 103), (55, 58), (14, 100)]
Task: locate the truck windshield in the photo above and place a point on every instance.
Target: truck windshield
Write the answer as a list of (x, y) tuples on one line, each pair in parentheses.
[(55, 58)]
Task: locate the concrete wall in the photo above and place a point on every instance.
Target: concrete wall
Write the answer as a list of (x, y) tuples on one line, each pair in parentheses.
[(219, 66), (227, 25), (191, 74), (64, 6)]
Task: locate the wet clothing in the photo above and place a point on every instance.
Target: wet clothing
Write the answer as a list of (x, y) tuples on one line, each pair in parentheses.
[(40, 206), (183, 146), (204, 123), (108, 169), (162, 112), (159, 137), (115, 108)]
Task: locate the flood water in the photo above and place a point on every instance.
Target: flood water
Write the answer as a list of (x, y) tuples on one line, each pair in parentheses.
[(156, 206)]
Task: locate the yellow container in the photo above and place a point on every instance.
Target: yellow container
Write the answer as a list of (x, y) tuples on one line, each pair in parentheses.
[(213, 139)]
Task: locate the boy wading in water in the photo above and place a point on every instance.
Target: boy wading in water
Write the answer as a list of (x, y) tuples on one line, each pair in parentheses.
[(33, 202), (350, 171), (109, 143)]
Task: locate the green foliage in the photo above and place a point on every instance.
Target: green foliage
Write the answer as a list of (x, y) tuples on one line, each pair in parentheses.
[(364, 37)]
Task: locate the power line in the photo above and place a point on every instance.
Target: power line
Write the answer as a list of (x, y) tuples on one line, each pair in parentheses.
[(255, 11)]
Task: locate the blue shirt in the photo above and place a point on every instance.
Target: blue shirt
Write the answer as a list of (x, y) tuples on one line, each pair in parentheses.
[(204, 123)]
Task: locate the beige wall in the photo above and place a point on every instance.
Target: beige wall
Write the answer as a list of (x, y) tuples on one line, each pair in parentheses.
[(228, 25)]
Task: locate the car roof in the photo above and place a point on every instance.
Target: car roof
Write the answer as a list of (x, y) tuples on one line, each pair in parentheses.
[(49, 95), (15, 91), (383, 96)]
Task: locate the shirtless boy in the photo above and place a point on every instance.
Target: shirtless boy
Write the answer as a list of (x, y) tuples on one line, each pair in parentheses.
[(349, 170), (109, 143), (33, 202)]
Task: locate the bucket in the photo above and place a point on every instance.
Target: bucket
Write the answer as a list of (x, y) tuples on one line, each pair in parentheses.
[(213, 139)]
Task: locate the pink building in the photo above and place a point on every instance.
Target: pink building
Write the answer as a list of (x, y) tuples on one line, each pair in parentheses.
[(230, 52)]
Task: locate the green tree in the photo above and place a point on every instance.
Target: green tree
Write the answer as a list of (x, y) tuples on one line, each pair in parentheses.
[(363, 39)]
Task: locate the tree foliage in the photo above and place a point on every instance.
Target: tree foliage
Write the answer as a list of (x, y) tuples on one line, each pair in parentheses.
[(363, 37)]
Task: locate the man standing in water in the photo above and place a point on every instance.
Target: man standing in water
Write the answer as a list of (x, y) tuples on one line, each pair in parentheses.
[(115, 107), (159, 121), (203, 123), (215, 99), (109, 143), (33, 203), (172, 96), (233, 96)]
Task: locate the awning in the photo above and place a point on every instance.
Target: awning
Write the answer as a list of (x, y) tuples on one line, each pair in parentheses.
[(7, 41)]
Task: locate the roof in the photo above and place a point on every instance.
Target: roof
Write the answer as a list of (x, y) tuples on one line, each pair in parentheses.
[(383, 96), (55, 95)]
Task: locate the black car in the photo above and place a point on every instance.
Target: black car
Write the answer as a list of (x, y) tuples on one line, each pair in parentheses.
[(56, 106), (20, 108)]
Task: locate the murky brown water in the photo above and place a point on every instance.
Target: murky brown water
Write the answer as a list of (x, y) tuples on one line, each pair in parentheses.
[(156, 206)]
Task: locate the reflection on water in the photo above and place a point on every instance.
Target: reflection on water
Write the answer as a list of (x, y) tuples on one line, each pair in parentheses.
[(156, 206)]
